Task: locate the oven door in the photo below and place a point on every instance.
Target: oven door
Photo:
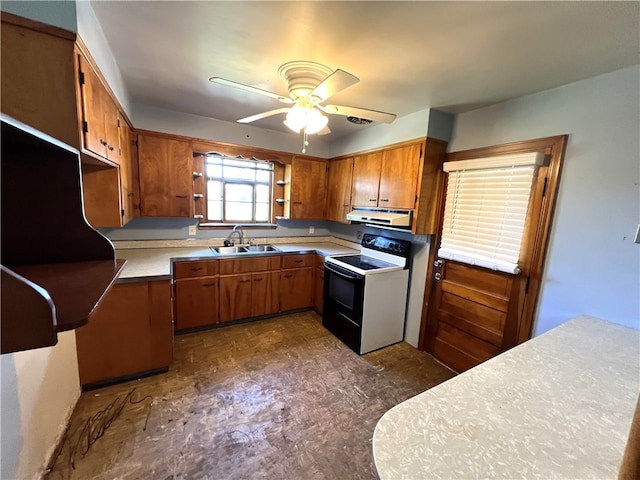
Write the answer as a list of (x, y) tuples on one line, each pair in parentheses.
[(343, 302)]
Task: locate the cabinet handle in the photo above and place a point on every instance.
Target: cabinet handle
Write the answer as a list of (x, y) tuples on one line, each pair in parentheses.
[(129, 195), (345, 206), (258, 279), (196, 269), (297, 261), (182, 196), (110, 148), (384, 199), (373, 199), (207, 285), (297, 203), (244, 281), (288, 276), (103, 143)]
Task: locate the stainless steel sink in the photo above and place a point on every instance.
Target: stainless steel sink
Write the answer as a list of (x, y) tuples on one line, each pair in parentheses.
[(229, 250), (260, 248)]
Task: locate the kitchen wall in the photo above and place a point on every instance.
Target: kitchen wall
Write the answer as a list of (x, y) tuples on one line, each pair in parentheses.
[(592, 266), (39, 391), (57, 13)]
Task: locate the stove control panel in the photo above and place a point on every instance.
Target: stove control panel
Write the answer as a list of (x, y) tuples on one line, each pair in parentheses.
[(393, 246)]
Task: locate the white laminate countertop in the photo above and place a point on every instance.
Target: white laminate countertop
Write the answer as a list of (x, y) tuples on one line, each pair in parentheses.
[(557, 406), (155, 263)]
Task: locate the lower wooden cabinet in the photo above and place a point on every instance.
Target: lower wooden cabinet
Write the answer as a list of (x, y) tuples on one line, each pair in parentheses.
[(130, 333), (235, 297), (196, 302), (265, 297), (296, 284)]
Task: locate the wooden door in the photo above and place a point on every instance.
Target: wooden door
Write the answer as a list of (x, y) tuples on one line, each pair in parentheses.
[(111, 127), (166, 179), (93, 102), (308, 184), (296, 288), (472, 313), (399, 177), (366, 180), (265, 293), (196, 302), (339, 189), (235, 297)]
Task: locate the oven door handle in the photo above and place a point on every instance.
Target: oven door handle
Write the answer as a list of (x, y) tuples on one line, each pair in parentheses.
[(343, 273)]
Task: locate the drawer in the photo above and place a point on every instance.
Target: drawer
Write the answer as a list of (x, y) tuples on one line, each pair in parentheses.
[(298, 261), (199, 268), (229, 266)]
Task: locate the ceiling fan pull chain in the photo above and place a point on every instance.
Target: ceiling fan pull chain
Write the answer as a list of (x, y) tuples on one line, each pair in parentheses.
[(305, 141)]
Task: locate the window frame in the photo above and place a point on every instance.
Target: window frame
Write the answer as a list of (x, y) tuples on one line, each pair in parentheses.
[(224, 222)]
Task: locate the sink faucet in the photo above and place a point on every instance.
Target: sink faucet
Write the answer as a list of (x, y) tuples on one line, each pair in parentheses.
[(237, 229)]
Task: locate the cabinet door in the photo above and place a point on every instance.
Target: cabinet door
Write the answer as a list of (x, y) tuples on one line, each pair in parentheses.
[(196, 302), (111, 127), (130, 332), (296, 288), (166, 186), (265, 293), (399, 178), (366, 180), (235, 297), (126, 171), (93, 102), (308, 183), (339, 189)]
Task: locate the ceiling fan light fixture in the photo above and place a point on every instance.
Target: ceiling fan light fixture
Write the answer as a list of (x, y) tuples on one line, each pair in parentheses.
[(305, 118)]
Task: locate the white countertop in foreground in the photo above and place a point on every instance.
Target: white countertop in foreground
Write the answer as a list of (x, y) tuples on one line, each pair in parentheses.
[(557, 406), (155, 263)]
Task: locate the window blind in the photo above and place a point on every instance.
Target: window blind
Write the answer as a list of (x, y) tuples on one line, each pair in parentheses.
[(486, 209)]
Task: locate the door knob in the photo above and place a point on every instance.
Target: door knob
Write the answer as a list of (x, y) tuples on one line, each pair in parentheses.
[(437, 276), (437, 263)]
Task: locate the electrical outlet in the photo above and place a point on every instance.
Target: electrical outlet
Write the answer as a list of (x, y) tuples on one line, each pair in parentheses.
[(193, 230), (359, 235), (312, 230)]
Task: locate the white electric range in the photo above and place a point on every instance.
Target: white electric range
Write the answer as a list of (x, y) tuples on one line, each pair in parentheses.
[(365, 295)]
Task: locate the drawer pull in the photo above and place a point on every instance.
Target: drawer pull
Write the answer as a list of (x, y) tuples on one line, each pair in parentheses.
[(373, 199), (258, 279), (288, 276), (297, 261), (182, 196), (244, 281), (207, 285), (195, 269)]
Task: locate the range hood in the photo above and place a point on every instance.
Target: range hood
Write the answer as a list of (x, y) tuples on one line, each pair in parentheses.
[(381, 217)]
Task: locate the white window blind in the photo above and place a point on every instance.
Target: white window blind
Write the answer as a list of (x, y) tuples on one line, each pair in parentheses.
[(486, 209)]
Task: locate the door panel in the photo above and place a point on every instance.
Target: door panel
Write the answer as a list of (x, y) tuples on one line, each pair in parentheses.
[(366, 180), (473, 313)]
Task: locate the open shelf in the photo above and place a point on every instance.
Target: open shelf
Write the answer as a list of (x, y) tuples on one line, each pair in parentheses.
[(55, 268)]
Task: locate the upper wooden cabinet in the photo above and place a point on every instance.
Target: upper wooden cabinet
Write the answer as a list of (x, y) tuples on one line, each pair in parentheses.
[(399, 176), (387, 178), (306, 179), (166, 176), (100, 121), (339, 189)]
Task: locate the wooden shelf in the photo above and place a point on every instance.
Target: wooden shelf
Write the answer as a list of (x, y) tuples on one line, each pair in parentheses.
[(57, 268), (75, 288)]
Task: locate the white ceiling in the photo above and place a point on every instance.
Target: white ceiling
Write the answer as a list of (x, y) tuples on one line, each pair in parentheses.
[(409, 56)]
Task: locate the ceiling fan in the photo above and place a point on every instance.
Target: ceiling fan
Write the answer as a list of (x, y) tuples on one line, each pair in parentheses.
[(310, 84)]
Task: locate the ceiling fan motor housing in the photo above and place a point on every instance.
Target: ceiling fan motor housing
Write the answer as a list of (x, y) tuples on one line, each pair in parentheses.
[(303, 77)]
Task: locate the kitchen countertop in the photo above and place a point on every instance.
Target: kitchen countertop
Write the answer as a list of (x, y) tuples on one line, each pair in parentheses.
[(155, 263), (558, 406)]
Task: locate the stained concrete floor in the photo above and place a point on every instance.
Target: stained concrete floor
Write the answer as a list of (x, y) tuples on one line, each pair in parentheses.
[(273, 399)]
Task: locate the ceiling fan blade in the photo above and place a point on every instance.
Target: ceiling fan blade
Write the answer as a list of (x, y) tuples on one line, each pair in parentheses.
[(376, 116), (324, 131), (249, 88), (334, 83), (260, 116)]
